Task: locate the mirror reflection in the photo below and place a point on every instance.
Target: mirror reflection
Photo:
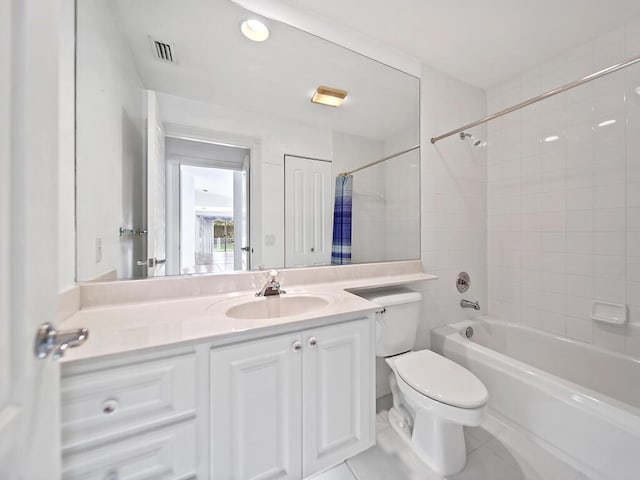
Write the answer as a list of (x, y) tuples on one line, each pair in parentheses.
[(199, 150)]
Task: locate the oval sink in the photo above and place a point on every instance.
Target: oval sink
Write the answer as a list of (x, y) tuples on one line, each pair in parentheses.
[(277, 306)]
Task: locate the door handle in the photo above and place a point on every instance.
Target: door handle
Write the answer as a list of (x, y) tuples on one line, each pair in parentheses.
[(245, 249), (50, 341), (152, 262)]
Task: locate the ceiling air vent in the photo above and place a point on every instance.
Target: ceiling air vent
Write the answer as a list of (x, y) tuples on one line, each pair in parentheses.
[(163, 51)]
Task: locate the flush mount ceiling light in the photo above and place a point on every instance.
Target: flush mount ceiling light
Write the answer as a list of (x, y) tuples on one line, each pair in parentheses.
[(254, 30), (332, 97)]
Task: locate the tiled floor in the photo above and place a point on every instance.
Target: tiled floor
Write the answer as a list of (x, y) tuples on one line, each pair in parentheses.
[(495, 451)]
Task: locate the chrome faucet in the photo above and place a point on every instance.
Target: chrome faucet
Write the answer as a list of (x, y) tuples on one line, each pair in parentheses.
[(469, 304), (272, 287)]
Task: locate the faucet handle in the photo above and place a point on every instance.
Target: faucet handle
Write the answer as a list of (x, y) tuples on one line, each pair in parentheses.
[(273, 274)]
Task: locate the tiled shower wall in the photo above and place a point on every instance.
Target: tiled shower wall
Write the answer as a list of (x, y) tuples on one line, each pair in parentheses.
[(564, 214)]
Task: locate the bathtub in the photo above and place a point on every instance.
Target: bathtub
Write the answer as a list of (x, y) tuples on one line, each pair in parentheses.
[(580, 401)]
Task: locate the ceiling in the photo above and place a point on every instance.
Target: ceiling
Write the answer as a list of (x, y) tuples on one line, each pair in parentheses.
[(480, 42), (216, 64)]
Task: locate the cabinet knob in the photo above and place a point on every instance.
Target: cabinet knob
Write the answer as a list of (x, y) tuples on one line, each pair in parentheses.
[(312, 342), (108, 407), (297, 346)]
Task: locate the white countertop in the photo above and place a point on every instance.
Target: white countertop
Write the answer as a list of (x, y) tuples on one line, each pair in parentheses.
[(121, 328)]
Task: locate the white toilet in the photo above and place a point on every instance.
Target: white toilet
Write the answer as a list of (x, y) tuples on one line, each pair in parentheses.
[(433, 397)]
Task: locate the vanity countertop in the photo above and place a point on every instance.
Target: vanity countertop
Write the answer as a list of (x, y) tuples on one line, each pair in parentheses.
[(123, 328)]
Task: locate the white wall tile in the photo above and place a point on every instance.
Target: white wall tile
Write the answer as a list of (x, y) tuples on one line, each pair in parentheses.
[(579, 328), (564, 219), (580, 285)]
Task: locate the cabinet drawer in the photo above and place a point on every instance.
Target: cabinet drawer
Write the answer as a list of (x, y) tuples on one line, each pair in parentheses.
[(165, 454), (102, 403)]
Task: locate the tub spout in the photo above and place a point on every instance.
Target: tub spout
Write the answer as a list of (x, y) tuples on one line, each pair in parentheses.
[(469, 304)]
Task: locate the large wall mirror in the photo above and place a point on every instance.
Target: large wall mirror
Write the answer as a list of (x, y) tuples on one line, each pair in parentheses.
[(199, 150)]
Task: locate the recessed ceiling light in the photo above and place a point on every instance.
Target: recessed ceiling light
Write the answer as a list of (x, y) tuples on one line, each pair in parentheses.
[(552, 138), (254, 30), (607, 122), (332, 97)]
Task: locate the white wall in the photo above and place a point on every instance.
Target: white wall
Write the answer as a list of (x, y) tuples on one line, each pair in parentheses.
[(453, 200), (110, 144), (564, 216), (66, 150), (402, 196), (368, 201)]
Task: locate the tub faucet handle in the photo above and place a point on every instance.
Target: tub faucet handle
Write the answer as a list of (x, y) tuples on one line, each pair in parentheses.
[(464, 303)]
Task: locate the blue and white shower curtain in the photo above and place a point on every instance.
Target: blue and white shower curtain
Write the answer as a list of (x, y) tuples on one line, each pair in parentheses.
[(341, 245)]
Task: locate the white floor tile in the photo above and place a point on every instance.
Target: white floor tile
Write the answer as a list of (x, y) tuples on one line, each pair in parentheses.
[(495, 452), (340, 472), (484, 464), (535, 462), (382, 421), (389, 459)]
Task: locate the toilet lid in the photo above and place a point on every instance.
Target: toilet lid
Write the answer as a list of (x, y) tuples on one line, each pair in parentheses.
[(441, 379)]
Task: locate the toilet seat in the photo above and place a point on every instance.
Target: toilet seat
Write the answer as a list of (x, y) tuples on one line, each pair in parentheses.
[(441, 379)]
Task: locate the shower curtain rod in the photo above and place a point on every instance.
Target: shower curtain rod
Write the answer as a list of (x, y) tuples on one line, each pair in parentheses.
[(344, 174), (550, 93)]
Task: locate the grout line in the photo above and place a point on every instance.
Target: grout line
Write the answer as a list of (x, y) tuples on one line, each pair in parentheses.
[(353, 474)]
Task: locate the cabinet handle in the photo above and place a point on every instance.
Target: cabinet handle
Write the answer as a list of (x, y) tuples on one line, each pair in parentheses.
[(312, 342), (109, 406), (297, 346)]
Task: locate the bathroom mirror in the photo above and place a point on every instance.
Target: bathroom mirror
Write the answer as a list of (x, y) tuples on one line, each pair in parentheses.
[(199, 150)]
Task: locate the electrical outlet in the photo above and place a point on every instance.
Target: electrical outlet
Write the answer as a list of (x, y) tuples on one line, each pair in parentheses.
[(98, 250)]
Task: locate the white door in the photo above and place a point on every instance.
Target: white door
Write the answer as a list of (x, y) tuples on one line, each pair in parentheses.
[(338, 394), (241, 241), (29, 388), (308, 211), (256, 409), (156, 190)]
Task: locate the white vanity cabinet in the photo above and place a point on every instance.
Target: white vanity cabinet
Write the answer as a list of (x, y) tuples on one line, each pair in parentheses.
[(291, 405), (131, 420), (276, 407)]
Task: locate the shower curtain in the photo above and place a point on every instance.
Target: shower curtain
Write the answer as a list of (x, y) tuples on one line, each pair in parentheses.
[(341, 245)]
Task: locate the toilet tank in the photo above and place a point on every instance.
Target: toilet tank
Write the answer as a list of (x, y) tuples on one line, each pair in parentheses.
[(396, 327)]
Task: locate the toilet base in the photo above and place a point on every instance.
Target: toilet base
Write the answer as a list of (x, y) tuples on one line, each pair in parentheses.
[(439, 444)]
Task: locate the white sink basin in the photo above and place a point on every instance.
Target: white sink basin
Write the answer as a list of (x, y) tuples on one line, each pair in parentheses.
[(277, 306)]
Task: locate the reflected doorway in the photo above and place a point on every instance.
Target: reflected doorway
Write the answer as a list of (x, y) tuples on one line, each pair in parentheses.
[(210, 206)]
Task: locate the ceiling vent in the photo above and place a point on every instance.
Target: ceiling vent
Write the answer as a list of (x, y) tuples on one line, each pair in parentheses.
[(164, 52)]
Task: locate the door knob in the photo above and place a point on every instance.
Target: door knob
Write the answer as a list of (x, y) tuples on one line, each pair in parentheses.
[(152, 262), (50, 341)]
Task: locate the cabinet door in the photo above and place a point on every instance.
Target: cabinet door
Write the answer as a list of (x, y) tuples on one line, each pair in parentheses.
[(256, 409), (167, 453), (338, 393)]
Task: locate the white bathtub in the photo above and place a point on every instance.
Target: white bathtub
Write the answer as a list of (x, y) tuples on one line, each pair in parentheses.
[(581, 400)]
